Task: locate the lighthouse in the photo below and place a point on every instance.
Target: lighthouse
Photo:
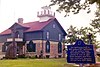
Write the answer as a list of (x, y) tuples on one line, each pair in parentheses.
[(45, 14)]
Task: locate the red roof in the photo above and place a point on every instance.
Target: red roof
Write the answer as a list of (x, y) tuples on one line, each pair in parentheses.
[(33, 26)]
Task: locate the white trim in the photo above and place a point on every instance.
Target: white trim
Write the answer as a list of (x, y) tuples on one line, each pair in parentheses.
[(59, 37)]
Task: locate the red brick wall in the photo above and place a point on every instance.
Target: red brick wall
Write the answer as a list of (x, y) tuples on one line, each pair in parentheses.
[(53, 49)]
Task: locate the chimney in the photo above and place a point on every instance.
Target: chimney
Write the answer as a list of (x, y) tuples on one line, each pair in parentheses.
[(20, 20)]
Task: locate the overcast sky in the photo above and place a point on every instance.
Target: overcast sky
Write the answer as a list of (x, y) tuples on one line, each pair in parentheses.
[(11, 10)]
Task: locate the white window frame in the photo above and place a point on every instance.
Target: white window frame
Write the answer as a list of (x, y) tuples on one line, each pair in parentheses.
[(54, 26), (59, 37), (48, 35)]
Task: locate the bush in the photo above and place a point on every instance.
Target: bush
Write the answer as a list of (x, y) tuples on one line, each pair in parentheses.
[(21, 56), (33, 57)]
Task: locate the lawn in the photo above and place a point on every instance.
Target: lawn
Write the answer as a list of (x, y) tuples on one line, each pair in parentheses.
[(35, 63)]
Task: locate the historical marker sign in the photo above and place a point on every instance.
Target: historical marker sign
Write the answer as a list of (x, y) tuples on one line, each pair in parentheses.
[(80, 53)]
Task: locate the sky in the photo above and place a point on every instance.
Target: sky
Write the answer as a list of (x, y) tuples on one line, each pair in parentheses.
[(11, 10)]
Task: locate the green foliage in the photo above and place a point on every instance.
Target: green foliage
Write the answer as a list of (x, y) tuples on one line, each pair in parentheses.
[(96, 22), (85, 32), (94, 1), (98, 58), (33, 57), (97, 44), (73, 5), (21, 56), (71, 34), (81, 33)]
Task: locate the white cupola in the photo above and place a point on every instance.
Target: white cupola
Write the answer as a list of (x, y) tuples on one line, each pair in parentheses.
[(45, 13)]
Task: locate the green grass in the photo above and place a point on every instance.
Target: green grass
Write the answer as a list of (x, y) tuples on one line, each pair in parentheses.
[(98, 59), (35, 63)]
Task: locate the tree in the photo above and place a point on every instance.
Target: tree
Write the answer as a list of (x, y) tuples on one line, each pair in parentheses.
[(96, 22), (86, 32), (82, 33), (74, 5), (71, 37)]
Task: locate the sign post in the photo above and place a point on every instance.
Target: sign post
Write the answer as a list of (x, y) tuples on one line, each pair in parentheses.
[(80, 53)]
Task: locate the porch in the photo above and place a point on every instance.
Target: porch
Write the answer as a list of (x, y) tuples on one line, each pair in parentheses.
[(11, 49)]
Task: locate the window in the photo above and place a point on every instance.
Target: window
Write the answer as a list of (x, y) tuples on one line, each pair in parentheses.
[(46, 11), (41, 12), (59, 47), (47, 35), (59, 37), (18, 49), (54, 26), (4, 48), (31, 47), (47, 47), (17, 34)]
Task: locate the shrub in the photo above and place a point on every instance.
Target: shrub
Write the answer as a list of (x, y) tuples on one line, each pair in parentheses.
[(21, 56)]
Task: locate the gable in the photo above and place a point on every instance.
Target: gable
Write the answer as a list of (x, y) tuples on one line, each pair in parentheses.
[(60, 27), (53, 31), (55, 26), (18, 26)]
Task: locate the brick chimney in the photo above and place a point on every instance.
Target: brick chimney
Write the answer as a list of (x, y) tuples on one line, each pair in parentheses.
[(20, 20)]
